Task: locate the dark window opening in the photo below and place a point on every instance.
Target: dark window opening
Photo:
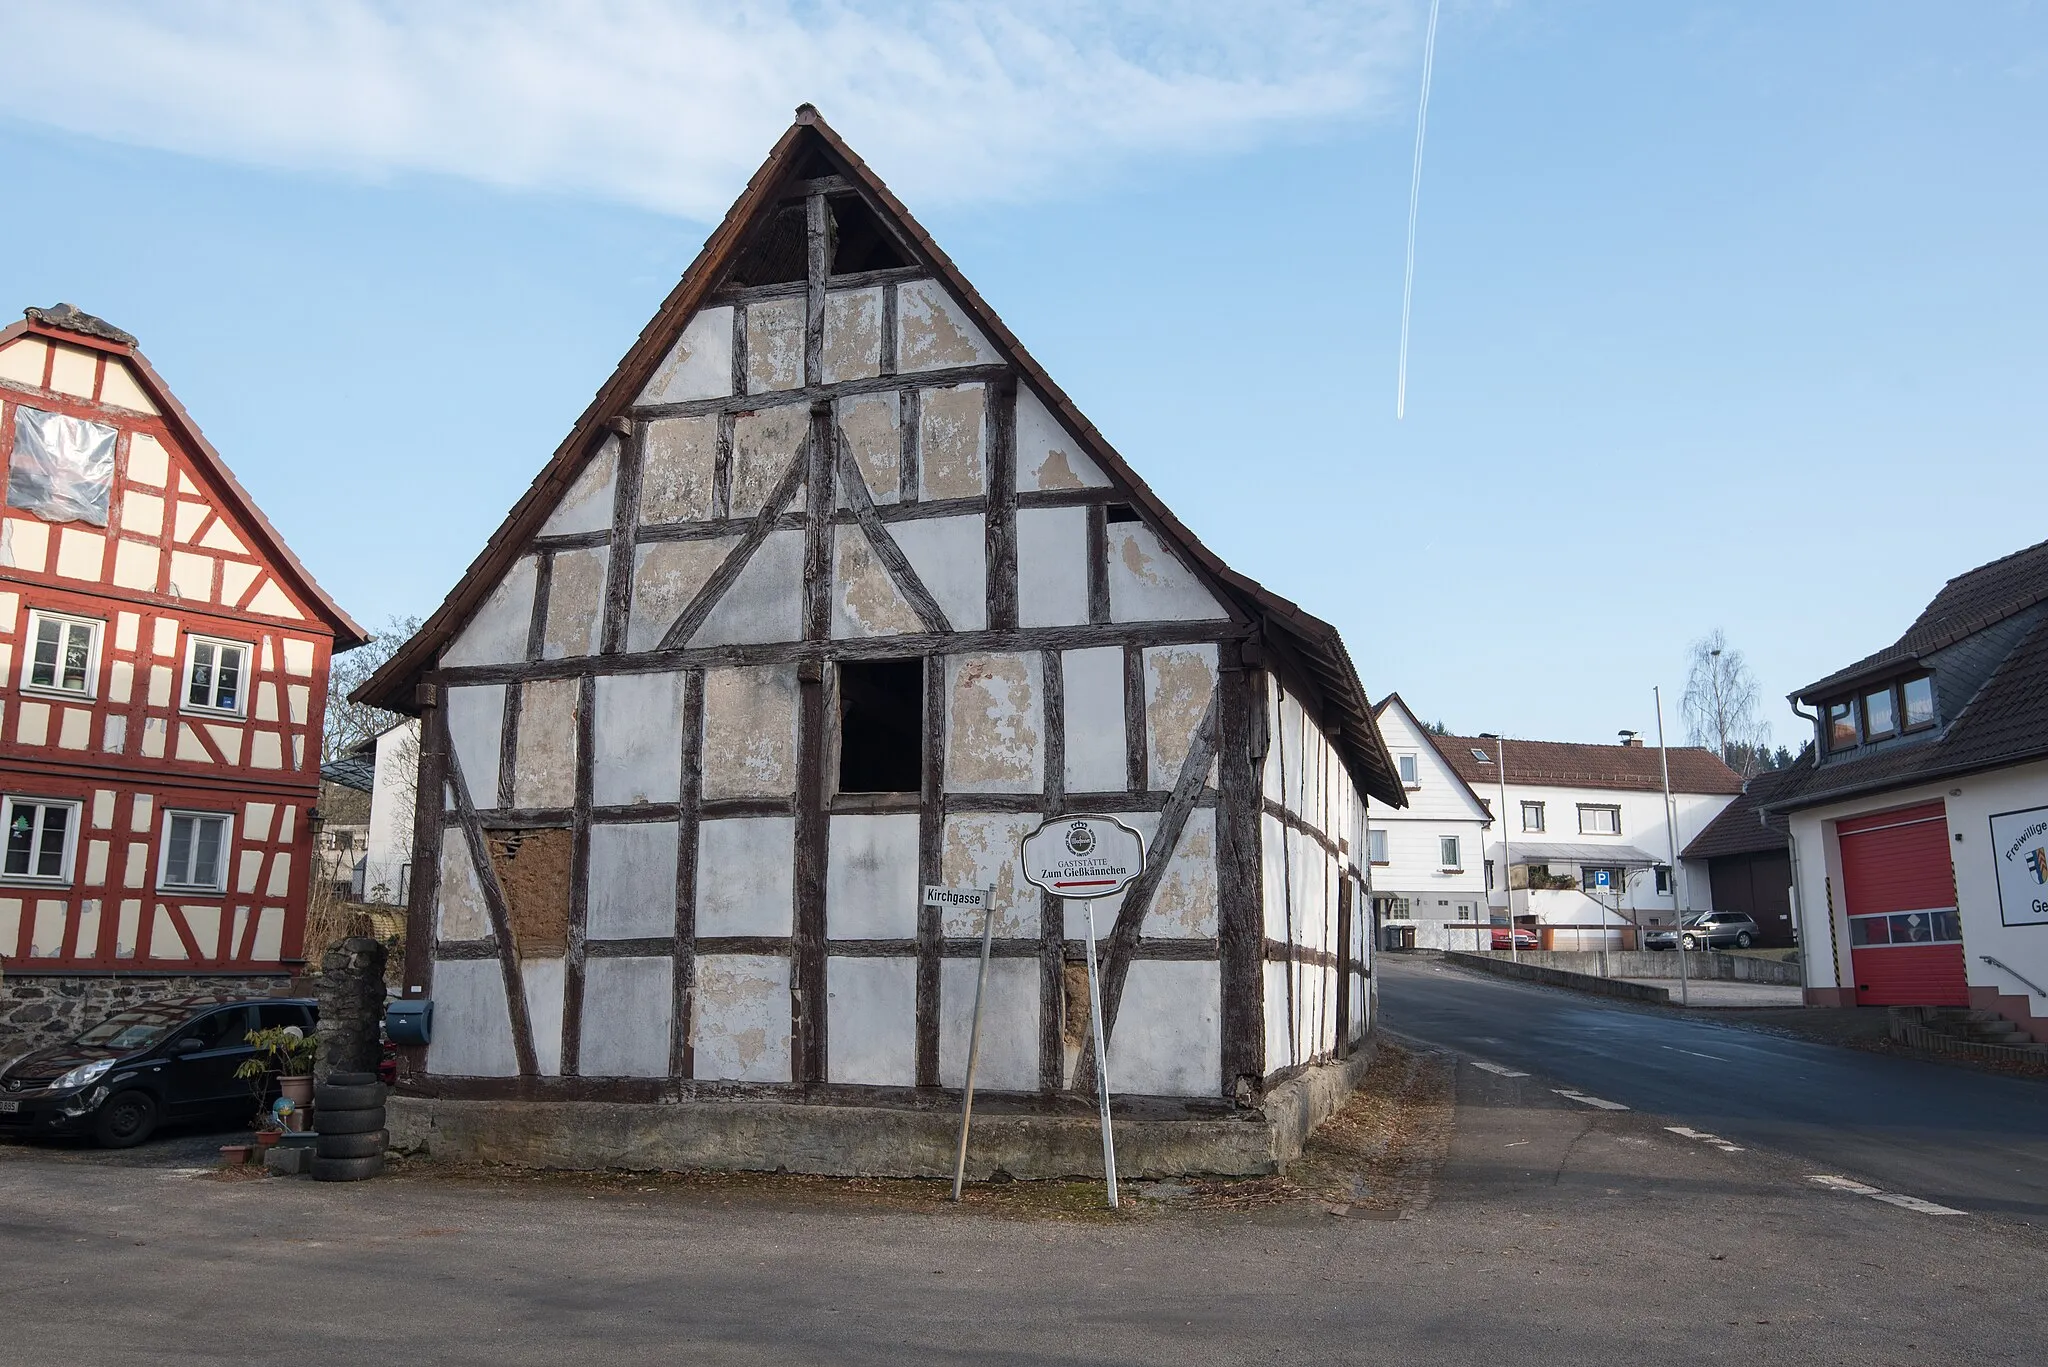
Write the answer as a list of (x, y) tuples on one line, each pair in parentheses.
[(863, 243), (881, 726), (1121, 512), (780, 251), (816, 165)]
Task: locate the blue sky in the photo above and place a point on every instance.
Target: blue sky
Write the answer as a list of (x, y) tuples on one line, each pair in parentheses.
[(1725, 315)]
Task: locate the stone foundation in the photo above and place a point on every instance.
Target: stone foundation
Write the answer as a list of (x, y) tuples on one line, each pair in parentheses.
[(867, 1141), (48, 1008)]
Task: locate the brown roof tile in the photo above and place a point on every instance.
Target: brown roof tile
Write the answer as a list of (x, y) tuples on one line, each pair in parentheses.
[(1739, 829), (1566, 764), (1967, 604)]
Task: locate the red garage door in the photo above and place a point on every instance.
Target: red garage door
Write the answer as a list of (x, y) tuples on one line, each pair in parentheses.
[(1906, 942)]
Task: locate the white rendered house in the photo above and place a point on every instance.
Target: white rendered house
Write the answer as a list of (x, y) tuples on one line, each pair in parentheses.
[(1596, 814), (1428, 859)]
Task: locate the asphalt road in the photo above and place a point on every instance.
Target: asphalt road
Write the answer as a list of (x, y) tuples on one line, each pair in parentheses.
[(1968, 1139)]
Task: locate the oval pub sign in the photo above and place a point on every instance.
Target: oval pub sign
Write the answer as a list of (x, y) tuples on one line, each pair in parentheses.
[(1083, 856)]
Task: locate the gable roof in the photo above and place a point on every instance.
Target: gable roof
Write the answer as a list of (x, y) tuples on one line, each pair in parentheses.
[(1966, 604), (2006, 722), (65, 323), (1566, 764), (1429, 738), (1310, 647), (1742, 827)]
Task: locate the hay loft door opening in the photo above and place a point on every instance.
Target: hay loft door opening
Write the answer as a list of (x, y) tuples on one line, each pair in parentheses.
[(881, 726)]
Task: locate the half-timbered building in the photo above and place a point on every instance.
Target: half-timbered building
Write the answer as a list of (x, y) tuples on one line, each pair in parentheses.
[(163, 666), (832, 594)]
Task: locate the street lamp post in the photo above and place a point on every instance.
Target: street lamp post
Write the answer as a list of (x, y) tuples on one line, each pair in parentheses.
[(1671, 837), (1507, 863)]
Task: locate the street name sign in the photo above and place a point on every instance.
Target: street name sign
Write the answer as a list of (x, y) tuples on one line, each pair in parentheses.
[(966, 899)]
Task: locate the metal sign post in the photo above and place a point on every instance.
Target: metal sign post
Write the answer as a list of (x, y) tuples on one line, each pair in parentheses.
[(935, 896), (1088, 857)]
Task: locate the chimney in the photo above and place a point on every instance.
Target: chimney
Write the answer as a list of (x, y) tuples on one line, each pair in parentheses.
[(1634, 742)]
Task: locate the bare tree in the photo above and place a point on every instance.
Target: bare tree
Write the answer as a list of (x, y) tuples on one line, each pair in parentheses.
[(1722, 705), (349, 724)]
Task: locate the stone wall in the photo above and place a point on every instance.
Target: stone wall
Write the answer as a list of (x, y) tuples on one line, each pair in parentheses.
[(38, 1009)]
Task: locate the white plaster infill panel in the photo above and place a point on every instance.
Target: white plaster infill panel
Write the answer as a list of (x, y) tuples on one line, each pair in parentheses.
[(496, 633), (472, 1027), (871, 1021), (1169, 1031), (950, 555), (853, 334), (632, 880), (667, 577), (1094, 683), (865, 598), (1279, 1011), (980, 851), (872, 427), (586, 505), (995, 723), (476, 720), (1048, 457), (952, 441), (464, 915), (677, 468), (628, 1007), (740, 1031), (765, 603), (545, 775), (871, 887), (764, 443), (543, 981), (1184, 902), (745, 876), (636, 747), (1179, 683), (1148, 583), (750, 732), (775, 344), (933, 332), (699, 365), (1052, 567), (575, 603), (1009, 1024)]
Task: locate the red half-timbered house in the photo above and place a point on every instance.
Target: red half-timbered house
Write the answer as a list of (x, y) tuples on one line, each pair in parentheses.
[(163, 667)]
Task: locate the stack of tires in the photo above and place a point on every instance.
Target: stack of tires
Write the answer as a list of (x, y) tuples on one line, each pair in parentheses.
[(348, 1127)]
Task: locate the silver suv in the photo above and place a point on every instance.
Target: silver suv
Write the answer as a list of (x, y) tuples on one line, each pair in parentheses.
[(1710, 930)]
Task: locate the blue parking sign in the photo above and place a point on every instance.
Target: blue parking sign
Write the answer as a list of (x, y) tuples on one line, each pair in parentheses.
[(1599, 878)]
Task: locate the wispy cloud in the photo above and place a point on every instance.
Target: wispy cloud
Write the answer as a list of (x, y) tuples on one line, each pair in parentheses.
[(670, 105)]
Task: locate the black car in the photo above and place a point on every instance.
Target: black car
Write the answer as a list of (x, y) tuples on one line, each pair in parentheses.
[(165, 1062)]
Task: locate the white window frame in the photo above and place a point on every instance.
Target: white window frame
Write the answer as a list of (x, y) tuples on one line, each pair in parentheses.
[(30, 638), (1409, 767), (70, 855), (163, 851), (241, 707), (1542, 818), (1376, 845), (1457, 849), (1585, 807)]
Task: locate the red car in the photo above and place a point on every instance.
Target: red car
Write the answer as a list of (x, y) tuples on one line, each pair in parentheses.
[(1525, 938)]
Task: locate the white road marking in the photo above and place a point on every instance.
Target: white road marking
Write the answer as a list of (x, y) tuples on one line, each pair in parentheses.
[(1703, 1137), (1694, 1052), (1589, 1100), (1890, 1198), (1496, 1068)]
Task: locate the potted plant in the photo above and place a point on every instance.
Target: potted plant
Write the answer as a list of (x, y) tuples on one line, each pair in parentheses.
[(287, 1051)]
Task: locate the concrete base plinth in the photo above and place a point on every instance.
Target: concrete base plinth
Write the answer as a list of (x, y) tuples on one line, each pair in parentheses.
[(865, 1141)]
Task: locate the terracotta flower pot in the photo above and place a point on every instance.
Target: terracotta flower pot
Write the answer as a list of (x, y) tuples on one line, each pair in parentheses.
[(234, 1154), (265, 1138), (297, 1089)]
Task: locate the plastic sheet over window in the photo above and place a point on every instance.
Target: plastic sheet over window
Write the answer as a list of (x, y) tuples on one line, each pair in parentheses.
[(62, 467)]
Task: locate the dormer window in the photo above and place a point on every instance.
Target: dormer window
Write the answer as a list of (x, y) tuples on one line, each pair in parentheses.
[(1881, 713), (1919, 698), (1842, 725)]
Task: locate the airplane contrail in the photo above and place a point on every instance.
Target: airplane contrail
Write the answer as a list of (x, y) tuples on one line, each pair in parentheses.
[(1415, 199)]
